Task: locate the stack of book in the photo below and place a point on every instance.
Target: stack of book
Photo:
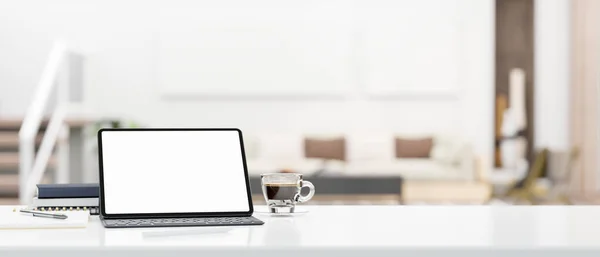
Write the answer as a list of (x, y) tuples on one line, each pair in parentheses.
[(67, 197)]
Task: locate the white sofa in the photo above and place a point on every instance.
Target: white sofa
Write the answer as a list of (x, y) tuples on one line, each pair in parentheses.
[(367, 154)]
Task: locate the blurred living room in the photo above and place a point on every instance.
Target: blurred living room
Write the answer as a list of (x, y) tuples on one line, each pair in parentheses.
[(376, 102)]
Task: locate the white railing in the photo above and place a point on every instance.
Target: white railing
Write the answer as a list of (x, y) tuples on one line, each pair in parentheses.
[(55, 79)]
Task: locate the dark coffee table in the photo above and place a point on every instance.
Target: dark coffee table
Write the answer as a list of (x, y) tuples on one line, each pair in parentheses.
[(346, 186)]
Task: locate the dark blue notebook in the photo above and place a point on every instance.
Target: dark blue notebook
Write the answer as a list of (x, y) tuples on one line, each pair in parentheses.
[(68, 190)]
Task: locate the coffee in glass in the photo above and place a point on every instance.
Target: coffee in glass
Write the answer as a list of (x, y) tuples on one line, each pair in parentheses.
[(282, 191)]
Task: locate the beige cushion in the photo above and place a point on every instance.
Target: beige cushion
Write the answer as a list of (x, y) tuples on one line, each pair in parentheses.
[(370, 147), (442, 154), (413, 148), (275, 146), (329, 149), (448, 150)]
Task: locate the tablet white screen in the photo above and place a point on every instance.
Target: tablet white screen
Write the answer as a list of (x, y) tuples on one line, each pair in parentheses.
[(173, 172)]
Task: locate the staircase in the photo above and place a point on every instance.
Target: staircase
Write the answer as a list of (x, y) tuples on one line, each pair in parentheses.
[(9, 153), (34, 147), (9, 157)]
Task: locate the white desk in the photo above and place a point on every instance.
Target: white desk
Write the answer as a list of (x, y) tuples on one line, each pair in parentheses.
[(340, 231)]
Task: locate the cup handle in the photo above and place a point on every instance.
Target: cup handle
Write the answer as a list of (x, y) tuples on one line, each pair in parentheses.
[(303, 198)]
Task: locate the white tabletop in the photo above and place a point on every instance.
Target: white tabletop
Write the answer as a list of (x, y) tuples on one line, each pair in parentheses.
[(351, 230)]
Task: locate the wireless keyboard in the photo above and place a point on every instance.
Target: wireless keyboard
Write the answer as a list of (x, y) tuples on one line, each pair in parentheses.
[(181, 222)]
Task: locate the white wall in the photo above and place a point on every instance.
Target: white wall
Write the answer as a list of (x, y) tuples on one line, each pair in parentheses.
[(130, 74), (552, 73)]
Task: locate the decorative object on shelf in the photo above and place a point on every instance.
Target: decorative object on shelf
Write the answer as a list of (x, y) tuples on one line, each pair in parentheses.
[(509, 146), (517, 97), (513, 144), (524, 190), (560, 172), (501, 106)]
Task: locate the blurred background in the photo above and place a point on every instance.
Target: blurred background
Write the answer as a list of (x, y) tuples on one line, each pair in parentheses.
[(376, 102)]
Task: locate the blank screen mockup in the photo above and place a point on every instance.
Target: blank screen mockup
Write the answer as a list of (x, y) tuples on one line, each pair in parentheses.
[(173, 172)]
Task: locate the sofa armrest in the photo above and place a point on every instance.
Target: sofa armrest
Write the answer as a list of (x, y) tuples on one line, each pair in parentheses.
[(467, 164)]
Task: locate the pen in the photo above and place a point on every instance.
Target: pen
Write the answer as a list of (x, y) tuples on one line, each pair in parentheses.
[(45, 215)]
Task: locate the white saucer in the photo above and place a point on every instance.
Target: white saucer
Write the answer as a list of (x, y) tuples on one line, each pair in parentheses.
[(264, 210)]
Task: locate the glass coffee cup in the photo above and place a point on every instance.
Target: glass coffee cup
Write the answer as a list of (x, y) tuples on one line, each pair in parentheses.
[(283, 190)]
